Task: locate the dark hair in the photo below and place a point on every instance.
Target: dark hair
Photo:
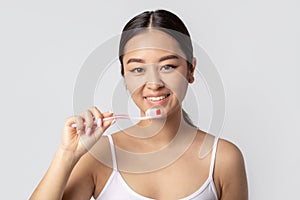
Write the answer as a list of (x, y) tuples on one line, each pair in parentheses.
[(167, 22), (162, 20)]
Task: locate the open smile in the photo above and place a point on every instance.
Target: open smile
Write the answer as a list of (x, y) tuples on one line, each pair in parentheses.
[(157, 99)]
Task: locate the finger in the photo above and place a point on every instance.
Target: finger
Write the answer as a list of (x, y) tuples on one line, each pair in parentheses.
[(70, 124), (100, 121), (104, 125), (107, 123), (96, 112), (70, 121), (98, 115), (107, 114), (88, 119), (79, 123)]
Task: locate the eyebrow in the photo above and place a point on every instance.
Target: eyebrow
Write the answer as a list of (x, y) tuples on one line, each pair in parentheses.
[(139, 60), (168, 58)]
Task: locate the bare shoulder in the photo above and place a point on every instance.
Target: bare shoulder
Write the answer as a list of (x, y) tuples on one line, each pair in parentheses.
[(229, 160), (229, 153), (230, 174)]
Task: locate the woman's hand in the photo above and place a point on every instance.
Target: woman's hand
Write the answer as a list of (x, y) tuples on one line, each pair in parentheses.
[(89, 128)]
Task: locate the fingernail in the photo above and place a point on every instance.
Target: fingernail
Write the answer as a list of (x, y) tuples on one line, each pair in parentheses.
[(99, 122), (88, 131)]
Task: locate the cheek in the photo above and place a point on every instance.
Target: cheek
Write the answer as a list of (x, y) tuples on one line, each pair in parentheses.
[(133, 83), (177, 83)]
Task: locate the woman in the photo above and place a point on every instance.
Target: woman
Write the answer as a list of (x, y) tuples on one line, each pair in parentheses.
[(157, 64)]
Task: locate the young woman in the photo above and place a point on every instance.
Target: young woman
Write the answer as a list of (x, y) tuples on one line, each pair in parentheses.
[(156, 158)]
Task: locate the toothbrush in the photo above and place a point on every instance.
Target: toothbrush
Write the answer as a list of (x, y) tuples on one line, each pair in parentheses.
[(151, 113)]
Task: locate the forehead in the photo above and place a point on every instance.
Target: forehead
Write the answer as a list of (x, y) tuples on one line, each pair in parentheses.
[(154, 41)]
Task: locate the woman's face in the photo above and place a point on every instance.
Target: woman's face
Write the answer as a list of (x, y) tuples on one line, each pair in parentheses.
[(155, 71)]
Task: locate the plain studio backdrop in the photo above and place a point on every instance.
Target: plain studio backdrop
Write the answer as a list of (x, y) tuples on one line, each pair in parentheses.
[(253, 44)]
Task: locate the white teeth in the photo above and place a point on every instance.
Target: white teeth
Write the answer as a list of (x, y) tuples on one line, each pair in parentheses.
[(156, 98)]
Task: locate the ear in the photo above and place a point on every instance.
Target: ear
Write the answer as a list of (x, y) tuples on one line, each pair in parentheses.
[(191, 71)]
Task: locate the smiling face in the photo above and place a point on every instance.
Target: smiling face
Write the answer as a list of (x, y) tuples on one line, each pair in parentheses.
[(155, 71)]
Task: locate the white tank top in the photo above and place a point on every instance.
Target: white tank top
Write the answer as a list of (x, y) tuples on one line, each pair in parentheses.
[(117, 189)]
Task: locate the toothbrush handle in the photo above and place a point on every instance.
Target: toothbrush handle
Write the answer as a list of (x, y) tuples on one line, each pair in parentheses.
[(125, 117), (120, 117), (116, 117)]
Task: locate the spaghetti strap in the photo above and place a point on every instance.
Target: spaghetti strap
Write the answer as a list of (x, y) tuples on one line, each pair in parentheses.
[(113, 152), (213, 157)]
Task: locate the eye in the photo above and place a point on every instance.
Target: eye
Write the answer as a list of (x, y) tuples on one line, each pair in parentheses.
[(137, 70), (167, 68)]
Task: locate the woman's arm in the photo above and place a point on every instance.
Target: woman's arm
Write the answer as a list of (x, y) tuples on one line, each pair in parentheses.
[(54, 182), (81, 183), (231, 173), (75, 143)]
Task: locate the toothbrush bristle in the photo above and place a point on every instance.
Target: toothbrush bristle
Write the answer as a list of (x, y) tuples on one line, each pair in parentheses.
[(153, 113), (158, 112)]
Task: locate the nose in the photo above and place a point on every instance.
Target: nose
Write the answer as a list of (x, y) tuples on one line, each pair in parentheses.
[(154, 85), (154, 81)]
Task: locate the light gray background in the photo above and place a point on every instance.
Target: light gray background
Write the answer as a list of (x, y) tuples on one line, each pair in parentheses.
[(254, 44)]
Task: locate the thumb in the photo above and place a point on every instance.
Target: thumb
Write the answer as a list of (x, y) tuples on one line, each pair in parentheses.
[(107, 123)]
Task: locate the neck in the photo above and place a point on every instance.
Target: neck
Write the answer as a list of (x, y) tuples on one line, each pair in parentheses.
[(159, 132)]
